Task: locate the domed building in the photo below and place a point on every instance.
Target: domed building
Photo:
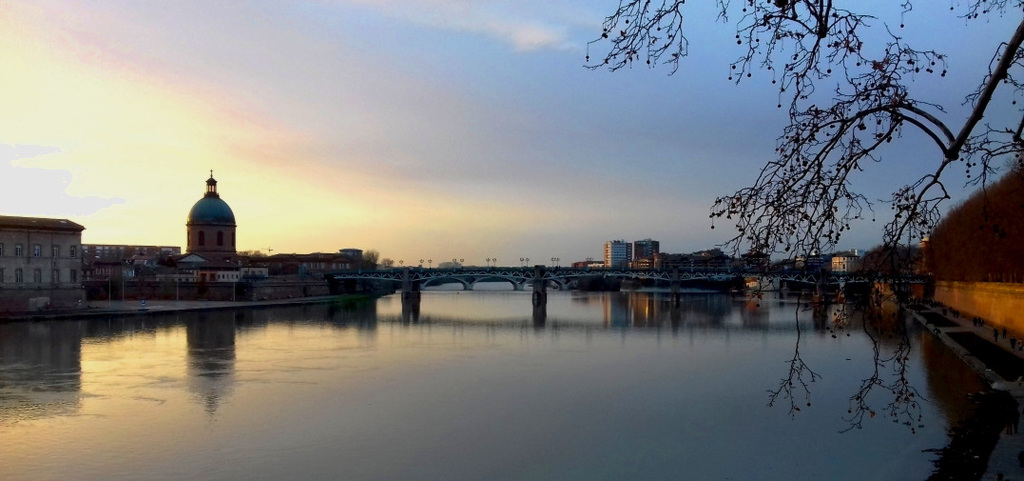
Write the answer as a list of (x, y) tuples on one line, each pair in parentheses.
[(211, 226)]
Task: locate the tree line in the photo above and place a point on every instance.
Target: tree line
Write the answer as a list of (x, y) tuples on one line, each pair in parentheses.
[(981, 238)]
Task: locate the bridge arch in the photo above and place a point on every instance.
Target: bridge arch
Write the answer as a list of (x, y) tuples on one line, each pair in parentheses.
[(438, 281), (516, 284)]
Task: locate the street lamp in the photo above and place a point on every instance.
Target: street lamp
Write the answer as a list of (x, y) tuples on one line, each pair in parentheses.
[(488, 262), (521, 260), (421, 262), (430, 263)]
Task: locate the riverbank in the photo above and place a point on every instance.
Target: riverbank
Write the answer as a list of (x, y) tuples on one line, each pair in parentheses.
[(99, 309), (1000, 362)]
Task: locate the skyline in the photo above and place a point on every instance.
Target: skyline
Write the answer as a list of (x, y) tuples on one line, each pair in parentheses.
[(431, 129)]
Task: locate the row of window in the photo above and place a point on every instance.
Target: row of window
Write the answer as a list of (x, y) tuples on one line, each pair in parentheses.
[(37, 250), (220, 238), (37, 276)]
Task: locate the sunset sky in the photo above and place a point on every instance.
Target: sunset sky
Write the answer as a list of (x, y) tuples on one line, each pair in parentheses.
[(424, 129)]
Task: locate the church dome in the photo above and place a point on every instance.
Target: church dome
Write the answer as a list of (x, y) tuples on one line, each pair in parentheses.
[(211, 209)]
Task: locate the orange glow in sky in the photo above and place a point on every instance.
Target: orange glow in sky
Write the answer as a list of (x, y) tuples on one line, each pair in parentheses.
[(424, 130)]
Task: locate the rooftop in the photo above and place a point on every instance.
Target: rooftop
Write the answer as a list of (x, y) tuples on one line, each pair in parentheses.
[(40, 223)]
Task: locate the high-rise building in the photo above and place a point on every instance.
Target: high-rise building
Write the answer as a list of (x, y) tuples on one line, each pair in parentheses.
[(617, 253), (646, 249)]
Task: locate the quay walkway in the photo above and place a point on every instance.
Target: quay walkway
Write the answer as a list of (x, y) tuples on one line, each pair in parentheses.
[(1000, 365), (99, 309)]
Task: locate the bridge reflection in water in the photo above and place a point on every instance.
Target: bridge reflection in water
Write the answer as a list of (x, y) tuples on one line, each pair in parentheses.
[(151, 374), (539, 278)]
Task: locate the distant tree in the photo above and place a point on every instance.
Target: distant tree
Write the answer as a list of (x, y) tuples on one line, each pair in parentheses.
[(387, 263), (803, 200), (369, 260), (980, 239), (882, 261), (252, 253)]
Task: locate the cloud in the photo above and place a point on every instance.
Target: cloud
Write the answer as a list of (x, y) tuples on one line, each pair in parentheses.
[(525, 26), (11, 152), (41, 192)]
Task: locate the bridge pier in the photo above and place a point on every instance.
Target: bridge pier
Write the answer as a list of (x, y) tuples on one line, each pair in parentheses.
[(540, 293), (410, 288)]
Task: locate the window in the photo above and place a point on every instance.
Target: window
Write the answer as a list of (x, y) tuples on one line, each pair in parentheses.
[(1, 248), (18, 250), (19, 276), (74, 275), (37, 250), (220, 238), (56, 276), (37, 276), (72, 251), (202, 238), (55, 251), (1, 276)]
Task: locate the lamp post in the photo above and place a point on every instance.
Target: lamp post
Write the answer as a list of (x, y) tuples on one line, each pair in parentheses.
[(488, 262), (430, 263), (421, 262), (521, 259), (122, 279)]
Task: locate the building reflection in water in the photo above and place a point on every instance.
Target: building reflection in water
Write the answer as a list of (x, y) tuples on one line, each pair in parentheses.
[(655, 310), (948, 378), (40, 369), (211, 356)]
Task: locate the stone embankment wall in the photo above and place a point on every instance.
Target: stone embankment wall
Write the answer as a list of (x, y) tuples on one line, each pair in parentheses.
[(1000, 304), (265, 290), (32, 300), (213, 291)]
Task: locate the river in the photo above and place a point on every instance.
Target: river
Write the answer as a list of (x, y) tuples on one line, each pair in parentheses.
[(469, 386)]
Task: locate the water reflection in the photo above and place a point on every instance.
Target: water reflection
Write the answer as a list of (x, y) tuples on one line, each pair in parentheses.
[(211, 356), (40, 369), (944, 368), (346, 383)]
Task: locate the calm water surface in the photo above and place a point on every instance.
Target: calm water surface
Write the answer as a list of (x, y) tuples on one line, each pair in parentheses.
[(473, 385)]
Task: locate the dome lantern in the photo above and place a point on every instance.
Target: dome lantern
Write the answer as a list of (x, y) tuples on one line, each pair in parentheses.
[(211, 186)]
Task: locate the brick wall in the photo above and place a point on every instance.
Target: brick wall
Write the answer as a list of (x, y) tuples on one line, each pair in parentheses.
[(1000, 304)]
